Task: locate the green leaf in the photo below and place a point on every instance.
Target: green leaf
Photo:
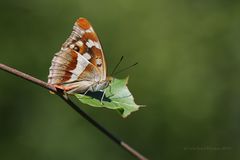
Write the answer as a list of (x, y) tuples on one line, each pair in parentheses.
[(117, 97)]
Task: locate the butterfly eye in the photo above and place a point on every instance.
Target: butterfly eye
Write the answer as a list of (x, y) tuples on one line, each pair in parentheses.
[(76, 48)]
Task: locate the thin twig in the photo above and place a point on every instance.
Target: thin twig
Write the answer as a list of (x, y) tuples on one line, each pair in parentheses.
[(50, 87)]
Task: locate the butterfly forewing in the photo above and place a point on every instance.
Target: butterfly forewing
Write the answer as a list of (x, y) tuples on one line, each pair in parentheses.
[(84, 40), (80, 62)]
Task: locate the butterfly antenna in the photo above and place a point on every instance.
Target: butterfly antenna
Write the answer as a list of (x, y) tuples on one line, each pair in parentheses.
[(124, 69), (115, 68)]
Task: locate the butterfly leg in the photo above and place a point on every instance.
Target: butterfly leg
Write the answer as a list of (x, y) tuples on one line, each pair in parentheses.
[(86, 91), (82, 95), (104, 91), (110, 90)]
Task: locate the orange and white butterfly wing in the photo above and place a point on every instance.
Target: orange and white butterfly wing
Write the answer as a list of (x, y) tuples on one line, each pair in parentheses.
[(89, 44), (80, 63)]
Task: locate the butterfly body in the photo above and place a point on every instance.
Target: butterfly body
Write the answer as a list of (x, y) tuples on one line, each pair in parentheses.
[(80, 65)]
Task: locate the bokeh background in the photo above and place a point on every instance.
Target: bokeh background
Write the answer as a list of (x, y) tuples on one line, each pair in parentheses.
[(188, 76)]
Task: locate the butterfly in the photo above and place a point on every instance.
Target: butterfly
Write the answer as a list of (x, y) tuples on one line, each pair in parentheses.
[(80, 65)]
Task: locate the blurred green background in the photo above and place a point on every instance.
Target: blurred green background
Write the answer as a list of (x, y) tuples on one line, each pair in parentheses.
[(188, 76)]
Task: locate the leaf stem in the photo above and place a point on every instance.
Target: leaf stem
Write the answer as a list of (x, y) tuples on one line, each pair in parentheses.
[(50, 87)]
